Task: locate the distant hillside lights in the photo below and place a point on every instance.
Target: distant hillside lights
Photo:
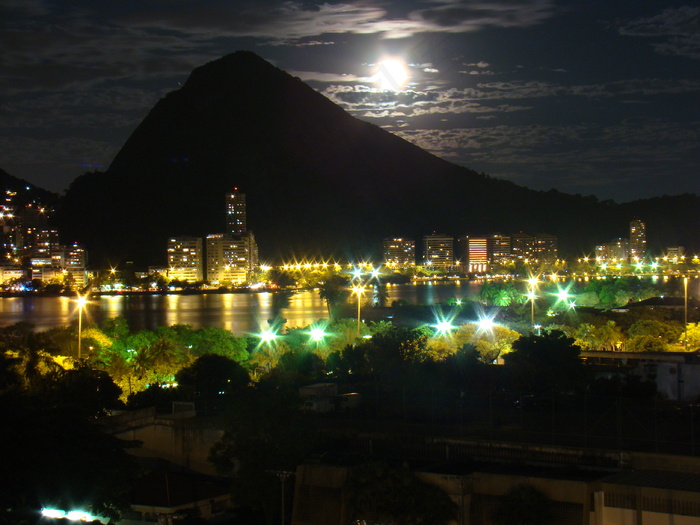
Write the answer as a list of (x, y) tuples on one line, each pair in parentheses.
[(32, 250), (225, 258)]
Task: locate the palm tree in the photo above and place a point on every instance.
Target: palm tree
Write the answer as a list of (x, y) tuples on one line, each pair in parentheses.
[(334, 292)]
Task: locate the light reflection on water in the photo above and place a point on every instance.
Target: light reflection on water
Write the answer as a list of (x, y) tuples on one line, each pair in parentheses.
[(239, 313)]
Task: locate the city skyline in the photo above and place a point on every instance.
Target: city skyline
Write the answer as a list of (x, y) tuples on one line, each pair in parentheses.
[(594, 99)]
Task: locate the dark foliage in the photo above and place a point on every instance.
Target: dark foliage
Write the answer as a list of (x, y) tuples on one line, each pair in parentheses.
[(544, 364), (377, 492)]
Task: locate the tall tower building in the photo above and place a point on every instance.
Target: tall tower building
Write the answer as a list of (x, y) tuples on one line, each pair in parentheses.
[(638, 239), (236, 222)]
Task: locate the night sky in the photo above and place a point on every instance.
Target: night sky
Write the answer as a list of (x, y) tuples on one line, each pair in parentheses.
[(591, 97)]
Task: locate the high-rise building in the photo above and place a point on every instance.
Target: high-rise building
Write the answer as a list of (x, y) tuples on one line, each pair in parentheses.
[(500, 249), (521, 245), (232, 256), (185, 259), (545, 247), (638, 240), (228, 258), (399, 252), (236, 221), (478, 255), (615, 250), (438, 251)]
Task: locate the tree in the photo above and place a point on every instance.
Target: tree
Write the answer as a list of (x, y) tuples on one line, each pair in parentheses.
[(92, 392), (213, 340), (546, 363), (212, 377), (693, 336), (501, 293), (377, 492), (667, 333), (334, 291), (646, 343), (608, 337), (490, 342), (264, 433), (56, 456)]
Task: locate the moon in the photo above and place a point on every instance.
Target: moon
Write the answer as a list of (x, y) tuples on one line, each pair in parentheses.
[(391, 74)]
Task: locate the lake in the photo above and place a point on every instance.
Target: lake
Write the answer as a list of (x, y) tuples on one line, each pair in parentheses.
[(237, 312)]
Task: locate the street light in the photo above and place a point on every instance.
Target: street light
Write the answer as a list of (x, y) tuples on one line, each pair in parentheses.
[(533, 281), (82, 301), (685, 292), (359, 290)]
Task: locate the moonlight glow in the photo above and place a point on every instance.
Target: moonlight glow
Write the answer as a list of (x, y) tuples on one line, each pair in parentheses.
[(391, 75)]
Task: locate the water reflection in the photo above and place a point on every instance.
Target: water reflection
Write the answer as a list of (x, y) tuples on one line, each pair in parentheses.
[(239, 313)]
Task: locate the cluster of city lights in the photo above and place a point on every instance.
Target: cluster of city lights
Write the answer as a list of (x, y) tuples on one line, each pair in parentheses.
[(72, 515)]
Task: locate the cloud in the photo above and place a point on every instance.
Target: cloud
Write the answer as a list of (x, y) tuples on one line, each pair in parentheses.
[(316, 76), (290, 20), (571, 158), (678, 27), (464, 16)]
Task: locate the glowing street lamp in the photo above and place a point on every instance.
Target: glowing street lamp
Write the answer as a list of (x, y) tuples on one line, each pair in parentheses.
[(685, 325), (317, 334), (359, 291), (532, 281), (444, 326), (82, 301), (268, 336), (485, 324)]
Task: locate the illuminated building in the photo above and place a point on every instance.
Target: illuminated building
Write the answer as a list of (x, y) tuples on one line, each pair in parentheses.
[(236, 221), (228, 258), (617, 249), (521, 245), (638, 239), (185, 259), (545, 247), (542, 246), (232, 256), (675, 252), (399, 252), (478, 254), (438, 251), (500, 249)]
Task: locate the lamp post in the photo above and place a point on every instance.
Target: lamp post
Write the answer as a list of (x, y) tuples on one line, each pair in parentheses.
[(685, 320), (82, 301), (282, 475), (359, 290), (533, 283)]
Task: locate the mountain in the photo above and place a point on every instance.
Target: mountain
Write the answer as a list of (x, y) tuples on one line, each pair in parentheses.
[(318, 181), (25, 192)]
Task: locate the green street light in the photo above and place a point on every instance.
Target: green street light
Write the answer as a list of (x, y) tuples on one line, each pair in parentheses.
[(267, 336)]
